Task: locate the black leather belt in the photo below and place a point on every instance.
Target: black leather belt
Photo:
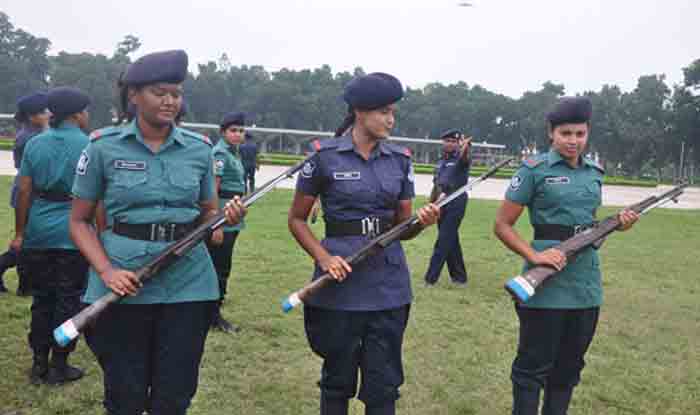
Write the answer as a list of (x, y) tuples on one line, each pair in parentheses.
[(223, 194), (555, 232), (161, 232), (369, 226), (52, 195)]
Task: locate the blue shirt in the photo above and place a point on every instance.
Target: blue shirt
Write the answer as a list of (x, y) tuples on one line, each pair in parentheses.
[(50, 159), (249, 154), (451, 173), (556, 193), (352, 188), (139, 186)]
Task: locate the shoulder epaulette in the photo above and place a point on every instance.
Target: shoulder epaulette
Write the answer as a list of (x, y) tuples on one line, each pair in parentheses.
[(200, 137), (104, 132), (533, 162), (405, 151), (326, 144), (594, 164)]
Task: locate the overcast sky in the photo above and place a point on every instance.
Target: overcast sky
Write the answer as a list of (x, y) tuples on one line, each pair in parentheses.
[(507, 46)]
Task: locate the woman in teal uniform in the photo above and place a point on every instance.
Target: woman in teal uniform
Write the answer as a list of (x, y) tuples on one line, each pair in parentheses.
[(156, 183), (41, 232), (229, 173), (562, 191)]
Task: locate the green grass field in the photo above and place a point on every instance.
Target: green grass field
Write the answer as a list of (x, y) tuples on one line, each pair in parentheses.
[(460, 341)]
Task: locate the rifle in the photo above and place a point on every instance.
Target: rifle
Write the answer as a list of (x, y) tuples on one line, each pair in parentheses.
[(523, 287), (71, 328), (381, 242)]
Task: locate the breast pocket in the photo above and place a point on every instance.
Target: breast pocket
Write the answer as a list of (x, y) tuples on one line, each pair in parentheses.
[(128, 179), (185, 182)]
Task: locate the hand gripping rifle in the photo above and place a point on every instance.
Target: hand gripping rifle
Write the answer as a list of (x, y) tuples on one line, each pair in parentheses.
[(523, 287), (380, 242), (71, 328)]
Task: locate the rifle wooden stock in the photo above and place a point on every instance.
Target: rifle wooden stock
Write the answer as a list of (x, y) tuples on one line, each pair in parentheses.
[(523, 287), (382, 241), (71, 328)]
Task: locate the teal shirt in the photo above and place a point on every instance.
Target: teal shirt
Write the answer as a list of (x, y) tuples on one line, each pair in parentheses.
[(556, 193), (50, 159), (139, 186), (228, 166)]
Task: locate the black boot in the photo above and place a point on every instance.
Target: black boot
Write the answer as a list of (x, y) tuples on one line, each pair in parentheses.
[(221, 324), (60, 371), (40, 368), (3, 289), (387, 409), (526, 401), (556, 400), (4, 265), (333, 406)]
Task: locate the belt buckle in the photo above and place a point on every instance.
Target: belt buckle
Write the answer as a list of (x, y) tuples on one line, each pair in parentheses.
[(161, 232), (370, 227)]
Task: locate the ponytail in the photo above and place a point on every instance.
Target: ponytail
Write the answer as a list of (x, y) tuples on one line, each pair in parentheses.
[(347, 123)]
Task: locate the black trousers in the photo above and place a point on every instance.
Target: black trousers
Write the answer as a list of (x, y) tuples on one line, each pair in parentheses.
[(249, 179), (9, 259), (222, 257), (59, 281), (447, 247), (551, 347), (368, 341), (150, 355)]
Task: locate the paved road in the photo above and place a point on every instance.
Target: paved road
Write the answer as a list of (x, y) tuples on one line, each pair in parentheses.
[(492, 189)]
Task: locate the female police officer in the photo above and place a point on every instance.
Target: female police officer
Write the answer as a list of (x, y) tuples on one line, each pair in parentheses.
[(562, 191), (156, 183), (229, 173), (33, 118), (47, 252), (366, 186)]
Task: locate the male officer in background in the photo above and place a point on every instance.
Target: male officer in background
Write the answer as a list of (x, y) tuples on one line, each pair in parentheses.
[(451, 173)]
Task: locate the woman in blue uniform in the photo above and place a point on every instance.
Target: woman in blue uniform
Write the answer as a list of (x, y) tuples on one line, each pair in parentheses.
[(366, 186), (156, 183), (562, 191)]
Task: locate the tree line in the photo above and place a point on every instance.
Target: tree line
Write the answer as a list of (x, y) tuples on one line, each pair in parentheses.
[(642, 131)]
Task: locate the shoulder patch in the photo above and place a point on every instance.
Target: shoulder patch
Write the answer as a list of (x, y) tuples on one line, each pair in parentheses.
[(104, 132), (533, 162), (199, 137)]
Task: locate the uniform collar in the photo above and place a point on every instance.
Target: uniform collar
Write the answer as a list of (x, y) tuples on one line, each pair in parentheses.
[(233, 148), (553, 157), (346, 144), (132, 130), (448, 155), (67, 125)]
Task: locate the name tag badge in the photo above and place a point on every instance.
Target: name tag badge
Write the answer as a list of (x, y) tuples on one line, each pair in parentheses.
[(557, 180), (450, 164), (346, 175), (129, 165)]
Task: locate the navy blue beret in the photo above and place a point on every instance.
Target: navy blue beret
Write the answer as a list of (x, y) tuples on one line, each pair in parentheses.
[(232, 118), (66, 100), (33, 103), (570, 110), (167, 67), (451, 133), (372, 91)]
